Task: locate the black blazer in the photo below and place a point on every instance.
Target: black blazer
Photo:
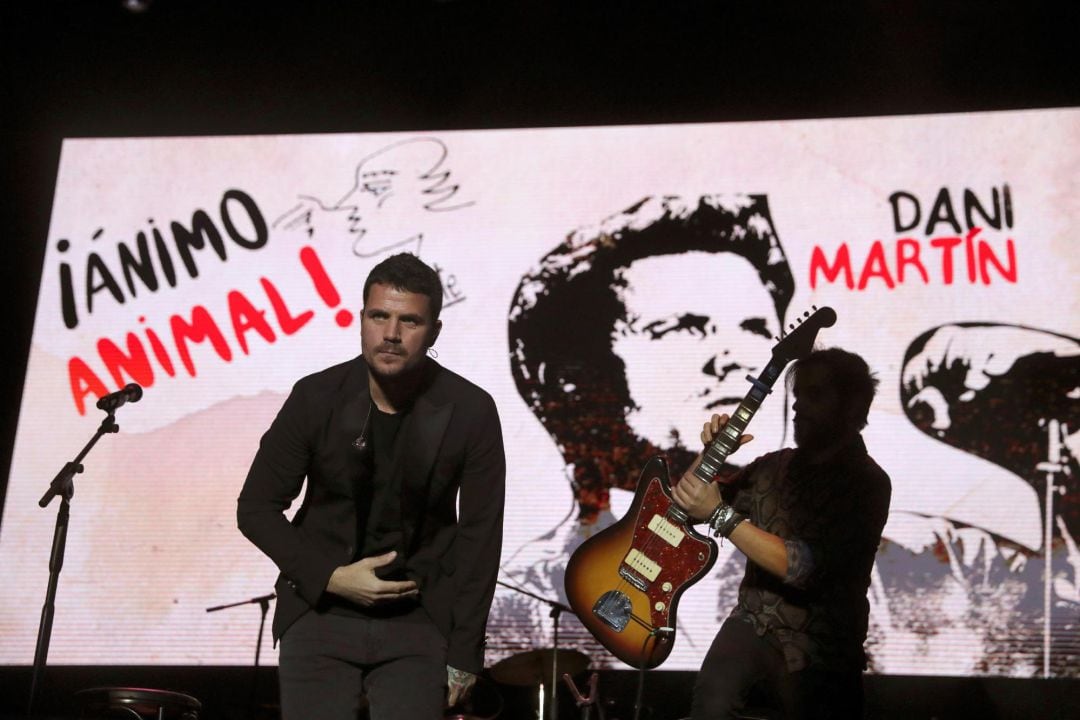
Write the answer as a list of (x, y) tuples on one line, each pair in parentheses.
[(453, 462)]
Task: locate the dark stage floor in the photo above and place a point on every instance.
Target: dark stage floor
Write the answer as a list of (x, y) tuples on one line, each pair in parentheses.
[(225, 694)]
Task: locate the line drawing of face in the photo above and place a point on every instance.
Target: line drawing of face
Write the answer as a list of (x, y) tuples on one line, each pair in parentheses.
[(687, 353), (392, 190), (411, 170), (391, 186)]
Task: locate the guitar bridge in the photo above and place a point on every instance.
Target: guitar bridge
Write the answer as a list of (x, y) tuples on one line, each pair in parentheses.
[(614, 609), (631, 577)]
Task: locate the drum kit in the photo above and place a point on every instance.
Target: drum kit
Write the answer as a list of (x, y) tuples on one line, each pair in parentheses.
[(515, 688), (137, 703), (523, 686), (519, 686), (522, 678)]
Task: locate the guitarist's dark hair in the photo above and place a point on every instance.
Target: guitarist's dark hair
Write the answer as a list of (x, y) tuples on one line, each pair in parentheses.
[(564, 312), (850, 375)]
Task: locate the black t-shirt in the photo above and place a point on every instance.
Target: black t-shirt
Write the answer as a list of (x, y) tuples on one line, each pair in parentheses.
[(378, 509)]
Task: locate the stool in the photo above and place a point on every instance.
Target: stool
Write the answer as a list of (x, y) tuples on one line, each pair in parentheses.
[(136, 704)]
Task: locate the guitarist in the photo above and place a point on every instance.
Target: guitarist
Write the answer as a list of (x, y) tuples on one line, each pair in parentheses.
[(809, 521)]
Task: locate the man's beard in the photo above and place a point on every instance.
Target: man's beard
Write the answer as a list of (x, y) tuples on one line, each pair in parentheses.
[(399, 374)]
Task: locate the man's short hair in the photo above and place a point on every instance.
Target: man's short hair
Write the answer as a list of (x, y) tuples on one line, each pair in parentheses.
[(564, 313), (405, 271), (850, 375)]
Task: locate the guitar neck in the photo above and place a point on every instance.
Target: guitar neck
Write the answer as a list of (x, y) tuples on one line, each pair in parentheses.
[(727, 441)]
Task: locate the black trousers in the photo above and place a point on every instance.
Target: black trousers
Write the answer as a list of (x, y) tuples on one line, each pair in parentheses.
[(331, 664), (741, 666)]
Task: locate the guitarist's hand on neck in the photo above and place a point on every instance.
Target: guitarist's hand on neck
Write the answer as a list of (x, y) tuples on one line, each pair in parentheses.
[(696, 497), (700, 499)]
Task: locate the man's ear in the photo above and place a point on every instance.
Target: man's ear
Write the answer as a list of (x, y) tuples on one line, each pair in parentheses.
[(435, 330)]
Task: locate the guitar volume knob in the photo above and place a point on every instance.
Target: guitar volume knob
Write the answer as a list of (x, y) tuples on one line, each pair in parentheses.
[(667, 587)]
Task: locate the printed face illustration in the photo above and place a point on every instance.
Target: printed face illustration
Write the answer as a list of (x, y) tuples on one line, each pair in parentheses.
[(696, 325), (1007, 394)]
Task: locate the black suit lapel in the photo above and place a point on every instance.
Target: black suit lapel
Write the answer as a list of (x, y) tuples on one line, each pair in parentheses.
[(422, 434), (354, 410)]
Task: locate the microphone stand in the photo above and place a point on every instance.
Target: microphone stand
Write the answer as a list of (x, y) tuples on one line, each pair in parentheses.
[(62, 485), (557, 609), (263, 601), (1053, 465)]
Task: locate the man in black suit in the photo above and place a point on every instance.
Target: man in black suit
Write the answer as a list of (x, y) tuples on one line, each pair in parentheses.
[(388, 568)]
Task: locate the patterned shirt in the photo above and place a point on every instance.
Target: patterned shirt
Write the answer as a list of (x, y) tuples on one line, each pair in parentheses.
[(830, 516)]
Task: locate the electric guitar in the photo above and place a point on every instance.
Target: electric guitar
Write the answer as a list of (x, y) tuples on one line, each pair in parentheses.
[(624, 583)]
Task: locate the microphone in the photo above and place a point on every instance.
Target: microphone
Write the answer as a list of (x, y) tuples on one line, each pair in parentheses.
[(360, 444), (132, 392)]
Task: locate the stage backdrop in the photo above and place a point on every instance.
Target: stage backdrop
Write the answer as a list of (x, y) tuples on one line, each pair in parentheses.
[(610, 286)]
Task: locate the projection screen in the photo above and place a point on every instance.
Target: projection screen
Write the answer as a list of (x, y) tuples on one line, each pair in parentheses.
[(216, 271)]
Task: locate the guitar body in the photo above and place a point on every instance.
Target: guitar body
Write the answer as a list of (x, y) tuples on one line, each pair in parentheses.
[(625, 582)]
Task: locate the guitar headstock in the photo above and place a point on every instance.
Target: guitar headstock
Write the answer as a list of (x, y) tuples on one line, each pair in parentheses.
[(799, 340)]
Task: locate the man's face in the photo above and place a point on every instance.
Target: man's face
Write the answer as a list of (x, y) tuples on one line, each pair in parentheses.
[(818, 408), (697, 324), (396, 330)]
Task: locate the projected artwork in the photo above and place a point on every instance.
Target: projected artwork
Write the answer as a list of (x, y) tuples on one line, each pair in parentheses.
[(611, 287), (1007, 394)]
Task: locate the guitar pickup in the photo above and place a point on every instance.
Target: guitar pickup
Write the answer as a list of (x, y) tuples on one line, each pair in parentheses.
[(667, 530), (641, 565)]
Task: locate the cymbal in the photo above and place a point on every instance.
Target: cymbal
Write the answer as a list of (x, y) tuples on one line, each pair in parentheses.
[(534, 666)]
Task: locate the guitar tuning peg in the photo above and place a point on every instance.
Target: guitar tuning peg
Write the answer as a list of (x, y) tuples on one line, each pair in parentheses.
[(806, 314), (814, 306), (791, 326)]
